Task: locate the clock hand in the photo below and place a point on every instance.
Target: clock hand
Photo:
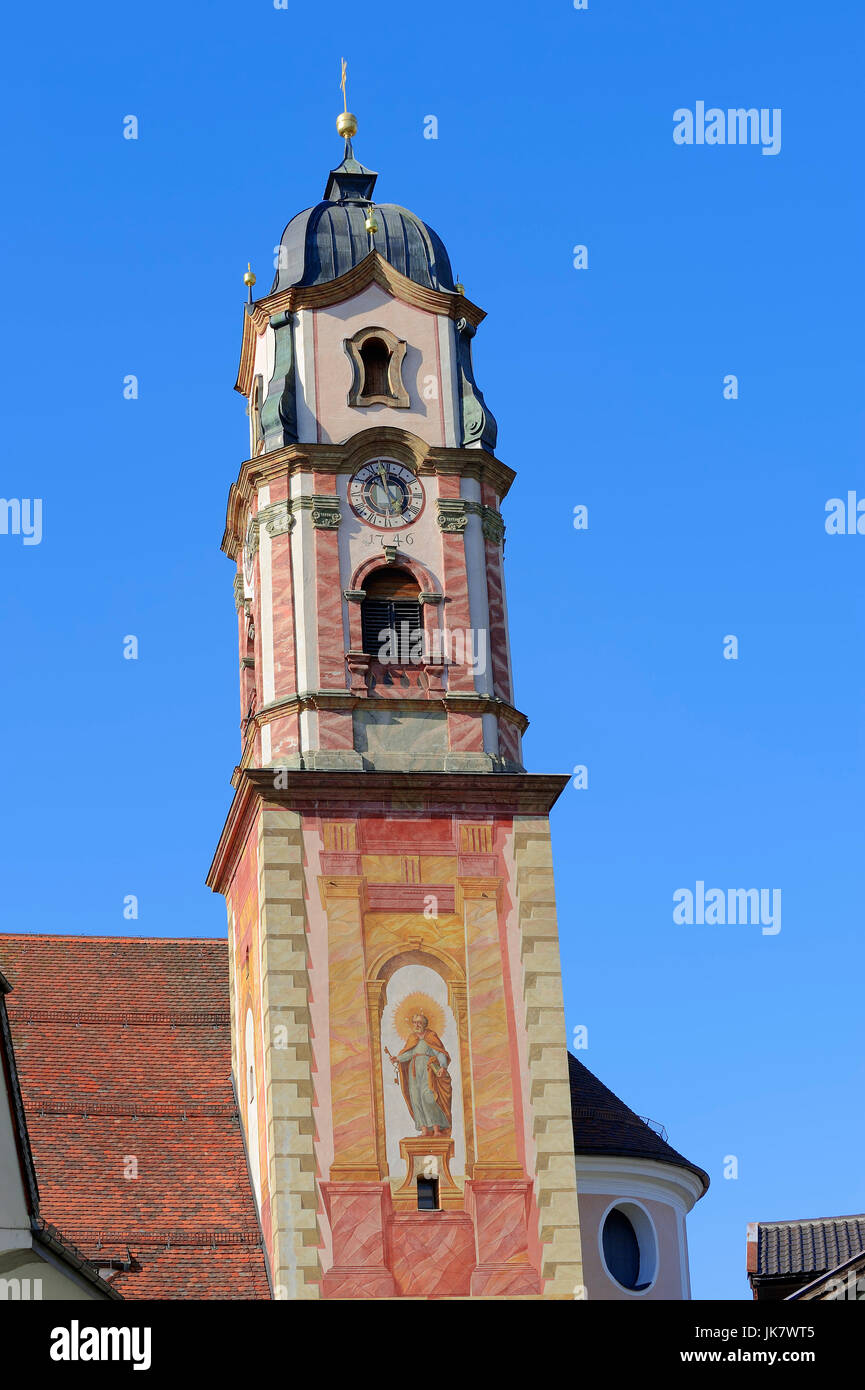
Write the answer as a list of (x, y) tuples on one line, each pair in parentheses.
[(395, 504)]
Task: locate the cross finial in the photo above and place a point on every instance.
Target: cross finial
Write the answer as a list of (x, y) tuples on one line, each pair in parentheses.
[(346, 123)]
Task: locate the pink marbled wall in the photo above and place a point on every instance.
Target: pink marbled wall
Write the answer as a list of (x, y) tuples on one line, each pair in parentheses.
[(433, 1254)]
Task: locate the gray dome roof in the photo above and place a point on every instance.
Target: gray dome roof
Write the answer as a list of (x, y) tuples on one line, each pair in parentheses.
[(327, 240)]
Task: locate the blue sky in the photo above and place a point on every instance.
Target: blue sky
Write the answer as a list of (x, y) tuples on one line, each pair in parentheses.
[(706, 516)]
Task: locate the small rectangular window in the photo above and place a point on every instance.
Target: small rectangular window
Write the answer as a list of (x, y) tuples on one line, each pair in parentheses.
[(427, 1194)]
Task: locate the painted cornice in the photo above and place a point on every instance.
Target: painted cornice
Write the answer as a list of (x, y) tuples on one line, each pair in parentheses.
[(372, 270), (467, 703), (610, 1176), (339, 793), (407, 448)]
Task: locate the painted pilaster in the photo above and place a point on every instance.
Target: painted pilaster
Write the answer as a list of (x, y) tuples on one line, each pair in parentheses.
[(351, 1061), (549, 1088), (288, 1056)]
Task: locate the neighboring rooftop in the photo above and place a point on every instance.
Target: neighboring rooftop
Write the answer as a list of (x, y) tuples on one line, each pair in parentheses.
[(604, 1124), (123, 1052), (787, 1255)]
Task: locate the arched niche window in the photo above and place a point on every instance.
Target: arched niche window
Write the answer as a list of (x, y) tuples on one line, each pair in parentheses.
[(375, 359), (255, 415), (392, 617), (376, 356), (252, 1107)]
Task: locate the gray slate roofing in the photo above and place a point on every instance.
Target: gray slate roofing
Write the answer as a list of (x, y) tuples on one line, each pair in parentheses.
[(603, 1124), (807, 1247), (323, 242)]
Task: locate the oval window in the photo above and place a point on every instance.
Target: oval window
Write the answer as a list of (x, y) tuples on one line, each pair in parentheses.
[(628, 1244)]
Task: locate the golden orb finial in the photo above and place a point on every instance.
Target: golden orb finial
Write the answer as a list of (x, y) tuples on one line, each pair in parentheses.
[(248, 276)]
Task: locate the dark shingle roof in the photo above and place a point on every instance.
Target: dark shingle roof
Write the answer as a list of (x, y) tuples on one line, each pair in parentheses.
[(324, 242), (807, 1247), (603, 1124)]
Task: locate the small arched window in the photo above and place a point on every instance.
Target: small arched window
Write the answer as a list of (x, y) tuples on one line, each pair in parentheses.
[(375, 357), (252, 1108), (255, 416), (392, 617)]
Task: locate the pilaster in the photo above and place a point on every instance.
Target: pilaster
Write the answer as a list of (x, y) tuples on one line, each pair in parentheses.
[(287, 1057), (549, 1088)]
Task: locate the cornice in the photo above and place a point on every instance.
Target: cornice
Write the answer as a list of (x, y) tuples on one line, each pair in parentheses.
[(330, 459), (373, 269), (621, 1176), (238, 823), (350, 700), (470, 793)]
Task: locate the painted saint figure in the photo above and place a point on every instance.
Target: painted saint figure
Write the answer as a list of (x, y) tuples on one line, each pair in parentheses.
[(422, 1068)]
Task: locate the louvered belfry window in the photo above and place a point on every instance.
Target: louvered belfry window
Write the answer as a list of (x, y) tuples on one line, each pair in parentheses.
[(392, 617)]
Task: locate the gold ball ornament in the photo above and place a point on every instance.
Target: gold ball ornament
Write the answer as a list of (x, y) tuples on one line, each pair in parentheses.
[(346, 124), (248, 276), (370, 222)]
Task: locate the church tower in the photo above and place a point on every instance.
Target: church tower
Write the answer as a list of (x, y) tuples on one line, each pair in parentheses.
[(398, 1036)]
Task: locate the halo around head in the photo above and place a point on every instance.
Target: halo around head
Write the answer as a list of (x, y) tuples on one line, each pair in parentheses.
[(417, 1003)]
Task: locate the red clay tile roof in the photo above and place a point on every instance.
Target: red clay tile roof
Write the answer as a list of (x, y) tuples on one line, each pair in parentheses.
[(123, 1051)]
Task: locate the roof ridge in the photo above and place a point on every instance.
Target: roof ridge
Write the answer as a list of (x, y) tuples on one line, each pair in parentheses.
[(76, 1105), (183, 1018), (135, 1236), (812, 1220), (102, 936)]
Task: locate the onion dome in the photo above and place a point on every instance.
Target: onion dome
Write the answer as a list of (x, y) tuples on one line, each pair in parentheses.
[(324, 242)]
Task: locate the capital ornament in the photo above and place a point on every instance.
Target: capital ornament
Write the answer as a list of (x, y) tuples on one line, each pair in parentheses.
[(492, 525), (276, 518), (326, 515), (452, 514)]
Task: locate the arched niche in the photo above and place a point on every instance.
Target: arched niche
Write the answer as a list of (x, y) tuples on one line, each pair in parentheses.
[(388, 982)]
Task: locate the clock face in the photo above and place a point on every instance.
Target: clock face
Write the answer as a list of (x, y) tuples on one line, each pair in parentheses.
[(385, 493)]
